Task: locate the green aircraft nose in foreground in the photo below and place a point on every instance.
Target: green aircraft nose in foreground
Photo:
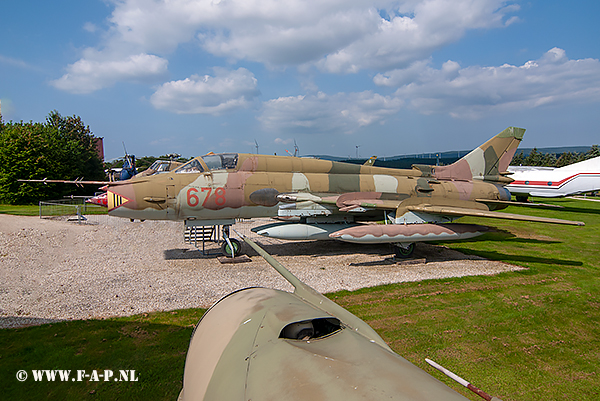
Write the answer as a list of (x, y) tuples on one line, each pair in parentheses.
[(265, 344)]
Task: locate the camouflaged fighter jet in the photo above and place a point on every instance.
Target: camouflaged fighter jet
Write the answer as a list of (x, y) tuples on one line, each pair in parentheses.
[(330, 200), (265, 344)]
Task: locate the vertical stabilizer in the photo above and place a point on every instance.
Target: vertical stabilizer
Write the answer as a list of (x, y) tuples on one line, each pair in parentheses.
[(486, 162)]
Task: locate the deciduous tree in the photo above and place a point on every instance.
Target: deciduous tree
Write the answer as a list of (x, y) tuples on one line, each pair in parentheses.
[(60, 148)]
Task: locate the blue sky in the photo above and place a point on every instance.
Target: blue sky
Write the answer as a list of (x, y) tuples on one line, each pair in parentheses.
[(392, 77)]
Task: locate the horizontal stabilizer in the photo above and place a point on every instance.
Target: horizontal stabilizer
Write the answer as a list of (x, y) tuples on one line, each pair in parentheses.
[(514, 203), (450, 211)]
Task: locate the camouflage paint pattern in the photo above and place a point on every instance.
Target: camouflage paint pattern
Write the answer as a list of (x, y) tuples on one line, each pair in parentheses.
[(226, 192), (409, 233), (241, 185)]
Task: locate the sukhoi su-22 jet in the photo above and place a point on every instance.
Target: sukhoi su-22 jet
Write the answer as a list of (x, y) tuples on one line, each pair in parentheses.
[(319, 199)]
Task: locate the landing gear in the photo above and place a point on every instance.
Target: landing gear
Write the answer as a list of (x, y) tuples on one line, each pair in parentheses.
[(404, 250), (215, 231), (231, 247)]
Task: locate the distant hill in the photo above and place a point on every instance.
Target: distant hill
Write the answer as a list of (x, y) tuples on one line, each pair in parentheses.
[(440, 158)]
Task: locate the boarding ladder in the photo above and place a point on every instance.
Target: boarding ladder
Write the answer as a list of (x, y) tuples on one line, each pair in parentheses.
[(198, 232)]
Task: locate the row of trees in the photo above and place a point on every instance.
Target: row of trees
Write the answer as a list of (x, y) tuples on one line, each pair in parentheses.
[(537, 158), (59, 148)]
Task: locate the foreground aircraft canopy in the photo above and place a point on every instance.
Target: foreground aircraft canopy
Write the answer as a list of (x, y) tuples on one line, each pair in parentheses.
[(265, 344), (551, 182), (330, 200)]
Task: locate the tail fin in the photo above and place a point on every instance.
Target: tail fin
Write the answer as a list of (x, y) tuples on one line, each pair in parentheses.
[(487, 162), (371, 161)]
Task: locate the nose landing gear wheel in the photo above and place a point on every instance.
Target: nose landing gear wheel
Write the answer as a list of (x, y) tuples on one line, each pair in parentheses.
[(228, 251), (404, 251)]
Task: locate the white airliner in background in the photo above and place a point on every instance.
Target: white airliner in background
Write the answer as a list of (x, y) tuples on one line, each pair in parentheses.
[(550, 182)]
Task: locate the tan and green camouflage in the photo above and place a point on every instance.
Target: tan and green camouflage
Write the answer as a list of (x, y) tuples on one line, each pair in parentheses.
[(237, 185), (265, 344)]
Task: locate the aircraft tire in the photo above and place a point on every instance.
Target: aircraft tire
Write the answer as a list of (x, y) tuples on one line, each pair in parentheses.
[(404, 253), (237, 247)]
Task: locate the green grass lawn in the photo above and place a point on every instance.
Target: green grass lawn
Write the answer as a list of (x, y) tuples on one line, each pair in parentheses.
[(20, 210), (34, 210), (527, 335)]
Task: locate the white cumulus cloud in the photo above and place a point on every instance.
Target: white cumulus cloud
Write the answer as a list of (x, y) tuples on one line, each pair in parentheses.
[(226, 91), (336, 36), (474, 91), (88, 75), (413, 31), (321, 113)]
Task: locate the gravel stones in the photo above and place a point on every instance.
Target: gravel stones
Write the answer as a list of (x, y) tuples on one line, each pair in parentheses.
[(57, 270)]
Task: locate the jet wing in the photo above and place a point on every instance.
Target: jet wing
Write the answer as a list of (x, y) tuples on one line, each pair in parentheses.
[(361, 201), (315, 298), (457, 211)]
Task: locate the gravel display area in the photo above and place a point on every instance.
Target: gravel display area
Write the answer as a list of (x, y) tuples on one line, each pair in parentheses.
[(55, 269)]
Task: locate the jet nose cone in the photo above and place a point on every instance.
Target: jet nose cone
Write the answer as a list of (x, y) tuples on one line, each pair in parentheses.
[(121, 195), (138, 199)]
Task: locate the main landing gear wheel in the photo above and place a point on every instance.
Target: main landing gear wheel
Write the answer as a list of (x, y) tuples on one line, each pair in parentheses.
[(227, 250), (404, 251), (521, 198)]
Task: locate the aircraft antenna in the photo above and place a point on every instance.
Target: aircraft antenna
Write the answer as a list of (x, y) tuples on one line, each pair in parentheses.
[(126, 154), (462, 381)]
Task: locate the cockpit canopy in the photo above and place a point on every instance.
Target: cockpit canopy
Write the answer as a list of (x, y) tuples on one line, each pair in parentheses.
[(213, 162), (160, 166), (221, 161), (193, 166)]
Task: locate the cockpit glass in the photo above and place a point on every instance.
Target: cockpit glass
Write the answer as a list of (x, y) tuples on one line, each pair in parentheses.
[(213, 162), (162, 167), (229, 160), (221, 161), (159, 166), (193, 166)]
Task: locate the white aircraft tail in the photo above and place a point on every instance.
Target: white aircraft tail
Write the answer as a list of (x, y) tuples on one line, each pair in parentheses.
[(586, 165)]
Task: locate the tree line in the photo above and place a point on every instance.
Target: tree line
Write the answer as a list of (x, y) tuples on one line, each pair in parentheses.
[(65, 148), (537, 158)]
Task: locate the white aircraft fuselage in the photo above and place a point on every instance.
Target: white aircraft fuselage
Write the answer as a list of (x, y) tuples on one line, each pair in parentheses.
[(550, 182)]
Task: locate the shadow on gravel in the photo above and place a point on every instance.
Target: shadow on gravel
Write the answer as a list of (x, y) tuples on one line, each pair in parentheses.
[(11, 322), (425, 253), (299, 248), (320, 248), (178, 254)]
